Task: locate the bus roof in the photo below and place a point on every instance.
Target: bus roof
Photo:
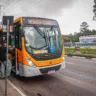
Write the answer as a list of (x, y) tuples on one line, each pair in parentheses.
[(18, 19)]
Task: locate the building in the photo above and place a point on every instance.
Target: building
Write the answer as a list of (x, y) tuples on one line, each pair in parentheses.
[(87, 39)]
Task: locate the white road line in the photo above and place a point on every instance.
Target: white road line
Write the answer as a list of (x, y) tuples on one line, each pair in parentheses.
[(78, 57), (69, 63), (76, 82), (20, 92)]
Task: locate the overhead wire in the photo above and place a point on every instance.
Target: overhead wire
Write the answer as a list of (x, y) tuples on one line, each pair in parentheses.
[(19, 3), (29, 7)]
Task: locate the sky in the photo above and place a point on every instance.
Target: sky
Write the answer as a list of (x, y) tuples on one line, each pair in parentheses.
[(81, 11), (69, 13)]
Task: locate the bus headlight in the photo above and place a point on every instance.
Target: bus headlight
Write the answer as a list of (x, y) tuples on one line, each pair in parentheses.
[(30, 62)]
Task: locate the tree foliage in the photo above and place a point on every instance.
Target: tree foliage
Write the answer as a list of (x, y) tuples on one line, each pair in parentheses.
[(84, 31), (94, 10), (84, 27)]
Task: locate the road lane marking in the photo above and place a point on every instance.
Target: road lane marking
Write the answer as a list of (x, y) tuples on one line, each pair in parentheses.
[(81, 75), (19, 91), (76, 82), (69, 62)]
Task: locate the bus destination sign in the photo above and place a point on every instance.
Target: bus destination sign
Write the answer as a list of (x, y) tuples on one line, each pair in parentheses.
[(42, 22)]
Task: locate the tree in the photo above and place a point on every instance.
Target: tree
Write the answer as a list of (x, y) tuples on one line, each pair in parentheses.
[(66, 38), (84, 27), (84, 31), (94, 10)]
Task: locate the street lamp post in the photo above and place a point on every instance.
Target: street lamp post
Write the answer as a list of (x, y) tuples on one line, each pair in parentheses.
[(7, 24)]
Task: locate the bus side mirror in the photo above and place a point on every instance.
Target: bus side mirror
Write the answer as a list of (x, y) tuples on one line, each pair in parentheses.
[(20, 44), (20, 41), (17, 25)]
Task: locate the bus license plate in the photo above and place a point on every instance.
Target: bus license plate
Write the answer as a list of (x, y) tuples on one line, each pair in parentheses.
[(51, 71)]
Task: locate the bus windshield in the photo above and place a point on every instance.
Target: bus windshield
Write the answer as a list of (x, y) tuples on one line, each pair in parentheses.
[(40, 40)]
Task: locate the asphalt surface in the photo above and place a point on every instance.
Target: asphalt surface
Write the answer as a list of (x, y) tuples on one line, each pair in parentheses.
[(77, 79)]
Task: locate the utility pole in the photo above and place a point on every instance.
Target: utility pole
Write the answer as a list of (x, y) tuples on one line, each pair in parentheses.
[(1, 13), (7, 27), (1, 5), (0, 10)]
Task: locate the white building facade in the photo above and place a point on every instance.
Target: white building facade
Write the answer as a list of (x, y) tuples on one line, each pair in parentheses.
[(87, 39)]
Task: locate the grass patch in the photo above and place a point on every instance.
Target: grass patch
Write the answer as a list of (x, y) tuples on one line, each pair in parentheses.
[(84, 52)]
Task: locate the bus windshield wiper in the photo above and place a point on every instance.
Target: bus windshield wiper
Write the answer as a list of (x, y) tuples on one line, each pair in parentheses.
[(52, 27), (39, 31)]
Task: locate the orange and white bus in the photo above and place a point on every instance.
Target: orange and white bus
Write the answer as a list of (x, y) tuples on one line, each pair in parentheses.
[(39, 47)]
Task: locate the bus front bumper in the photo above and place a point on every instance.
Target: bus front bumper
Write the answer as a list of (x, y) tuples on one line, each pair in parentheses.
[(28, 71)]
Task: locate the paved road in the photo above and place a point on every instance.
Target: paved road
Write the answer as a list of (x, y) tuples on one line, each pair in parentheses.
[(77, 79)]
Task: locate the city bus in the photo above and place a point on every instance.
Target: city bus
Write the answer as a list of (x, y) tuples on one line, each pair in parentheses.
[(38, 45)]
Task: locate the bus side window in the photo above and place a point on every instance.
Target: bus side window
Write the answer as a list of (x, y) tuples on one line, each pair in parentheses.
[(17, 37)]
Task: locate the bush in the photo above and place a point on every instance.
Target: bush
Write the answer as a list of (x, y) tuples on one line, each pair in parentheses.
[(81, 55), (69, 50), (84, 52)]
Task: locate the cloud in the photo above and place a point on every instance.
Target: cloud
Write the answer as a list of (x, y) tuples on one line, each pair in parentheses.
[(45, 7)]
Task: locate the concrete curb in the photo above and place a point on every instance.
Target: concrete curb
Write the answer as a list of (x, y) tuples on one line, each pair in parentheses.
[(81, 57), (93, 58), (78, 57)]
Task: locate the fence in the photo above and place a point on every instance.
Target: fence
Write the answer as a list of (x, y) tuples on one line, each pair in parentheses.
[(68, 44)]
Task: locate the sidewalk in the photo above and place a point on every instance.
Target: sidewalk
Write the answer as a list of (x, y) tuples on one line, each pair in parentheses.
[(11, 91)]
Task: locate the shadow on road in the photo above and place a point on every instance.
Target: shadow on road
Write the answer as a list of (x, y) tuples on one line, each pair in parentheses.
[(41, 78)]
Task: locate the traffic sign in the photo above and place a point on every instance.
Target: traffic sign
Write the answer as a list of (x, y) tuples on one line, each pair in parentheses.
[(10, 27)]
